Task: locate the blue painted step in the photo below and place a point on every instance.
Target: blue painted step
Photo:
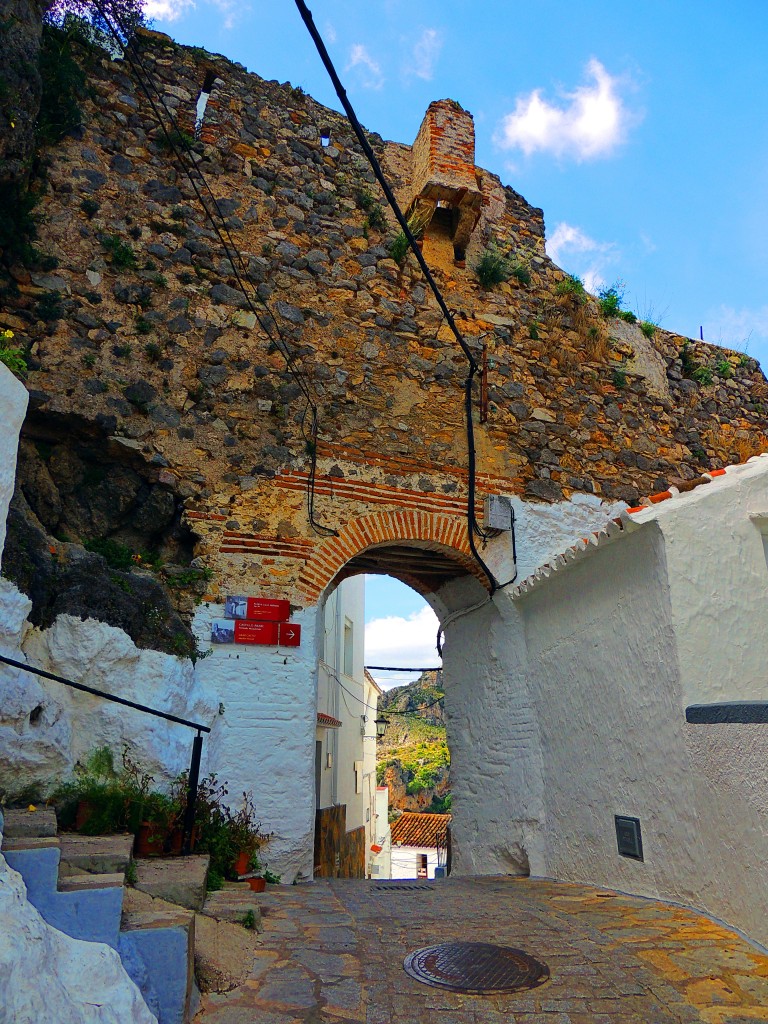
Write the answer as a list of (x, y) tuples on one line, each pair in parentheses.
[(156, 948)]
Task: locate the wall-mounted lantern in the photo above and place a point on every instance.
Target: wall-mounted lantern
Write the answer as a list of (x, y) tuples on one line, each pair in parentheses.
[(381, 726)]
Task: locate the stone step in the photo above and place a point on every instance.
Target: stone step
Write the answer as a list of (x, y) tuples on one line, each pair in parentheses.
[(94, 854), (157, 944), (21, 823), (29, 843), (79, 883), (179, 880)]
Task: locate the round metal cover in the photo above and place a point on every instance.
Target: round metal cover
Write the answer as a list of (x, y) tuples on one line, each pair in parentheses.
[(477, 968)]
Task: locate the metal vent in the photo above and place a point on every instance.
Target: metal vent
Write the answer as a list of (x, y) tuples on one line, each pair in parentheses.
[(628, 837), (498, 512), (402, 888)]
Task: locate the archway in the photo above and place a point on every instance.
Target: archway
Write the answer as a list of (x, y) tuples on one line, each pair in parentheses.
[(447, 579)]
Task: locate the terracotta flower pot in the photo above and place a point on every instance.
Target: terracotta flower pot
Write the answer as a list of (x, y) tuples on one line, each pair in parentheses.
[(83, 813), (241, 863), (150, 840), (257, 884), (176, 841)]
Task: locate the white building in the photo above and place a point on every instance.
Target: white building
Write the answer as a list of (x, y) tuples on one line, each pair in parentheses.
[(381, 847), (345, 739), (419, 844)]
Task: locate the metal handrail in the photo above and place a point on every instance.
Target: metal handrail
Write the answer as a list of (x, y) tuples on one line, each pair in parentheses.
[(197, 743)]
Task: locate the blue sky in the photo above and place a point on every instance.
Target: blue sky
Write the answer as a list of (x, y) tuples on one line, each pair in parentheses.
[(640, 128)]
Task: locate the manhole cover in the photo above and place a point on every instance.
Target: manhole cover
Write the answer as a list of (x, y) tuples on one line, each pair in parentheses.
[(476, 968)]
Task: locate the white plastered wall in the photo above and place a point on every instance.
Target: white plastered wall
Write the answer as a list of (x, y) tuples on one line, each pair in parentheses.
[(493, 738), (618, 644), (263, 742)]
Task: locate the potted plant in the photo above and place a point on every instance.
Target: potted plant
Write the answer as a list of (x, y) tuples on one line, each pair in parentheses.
[(154, 831)]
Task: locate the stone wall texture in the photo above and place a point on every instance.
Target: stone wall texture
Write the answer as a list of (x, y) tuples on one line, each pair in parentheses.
[(142, 341)]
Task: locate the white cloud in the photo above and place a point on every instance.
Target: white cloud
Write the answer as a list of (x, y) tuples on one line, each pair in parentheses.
[(359, 57), (172, 10), (737, 328), (330, 33), (167, 10), (589, 122), (395, 640), (425, 54), (570, 246)]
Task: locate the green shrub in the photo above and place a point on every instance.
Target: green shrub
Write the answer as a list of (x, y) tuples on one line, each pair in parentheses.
[(116, 555), (703, 374), (398, 247), (648, 328), (175, 140), (143, 326), (121, 253), (376, 218), (152, 351), (724, 369), (492, 267), (64, 83), (610, 300), (572, 287), (619, 379), (11, 356)]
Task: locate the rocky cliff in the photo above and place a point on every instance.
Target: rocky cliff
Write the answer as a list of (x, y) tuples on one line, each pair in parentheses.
[(413, 760)]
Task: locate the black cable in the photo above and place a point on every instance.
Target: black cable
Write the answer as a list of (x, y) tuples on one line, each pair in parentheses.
[(472, 527), (143, 77)]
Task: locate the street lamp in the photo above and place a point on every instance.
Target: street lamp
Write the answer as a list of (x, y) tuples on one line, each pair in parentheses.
[(381, 726)]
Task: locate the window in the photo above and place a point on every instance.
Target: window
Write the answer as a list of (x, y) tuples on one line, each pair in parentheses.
[(421, 865), (348, 667)]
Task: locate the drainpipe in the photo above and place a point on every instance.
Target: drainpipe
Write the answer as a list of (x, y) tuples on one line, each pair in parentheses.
[(336, 691)]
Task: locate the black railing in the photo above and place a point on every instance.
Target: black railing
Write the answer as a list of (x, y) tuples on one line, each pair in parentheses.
[(197, 742)]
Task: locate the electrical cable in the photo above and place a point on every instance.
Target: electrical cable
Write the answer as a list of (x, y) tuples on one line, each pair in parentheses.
[(144, 78), (373, 707), (472, 527)]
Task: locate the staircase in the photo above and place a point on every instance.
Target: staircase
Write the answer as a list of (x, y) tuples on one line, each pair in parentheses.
[(76, 883)]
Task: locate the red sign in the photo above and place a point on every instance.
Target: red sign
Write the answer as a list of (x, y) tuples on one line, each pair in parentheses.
[(266, 610), (255, 632), (290, 634)]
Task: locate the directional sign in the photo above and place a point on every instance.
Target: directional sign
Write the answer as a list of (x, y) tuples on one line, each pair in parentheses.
[(266, 610), (290, 634), (255, 632)]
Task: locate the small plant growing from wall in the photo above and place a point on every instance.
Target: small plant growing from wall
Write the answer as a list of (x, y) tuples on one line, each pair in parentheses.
[(572, 287), (398, 248), (120, 253), (492, 267), (11, 356)]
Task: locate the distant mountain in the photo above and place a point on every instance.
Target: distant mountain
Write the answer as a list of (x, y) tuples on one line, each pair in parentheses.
[(412, 757)]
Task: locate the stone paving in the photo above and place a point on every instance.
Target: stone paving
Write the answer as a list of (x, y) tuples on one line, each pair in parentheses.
[(333, 952)]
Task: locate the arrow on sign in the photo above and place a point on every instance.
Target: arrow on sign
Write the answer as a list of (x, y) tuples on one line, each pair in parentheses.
[(290, 634)]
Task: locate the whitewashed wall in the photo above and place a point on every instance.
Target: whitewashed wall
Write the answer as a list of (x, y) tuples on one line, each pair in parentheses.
[(492, 735), (405, 861), (618, 644), (264, 741)]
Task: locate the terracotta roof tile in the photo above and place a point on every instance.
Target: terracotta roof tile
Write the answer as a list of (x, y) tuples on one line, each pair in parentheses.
[(412, 829), (629, 519), (327, 721)]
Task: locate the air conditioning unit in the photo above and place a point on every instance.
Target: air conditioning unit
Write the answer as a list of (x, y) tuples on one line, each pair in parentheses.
[(498, 512)]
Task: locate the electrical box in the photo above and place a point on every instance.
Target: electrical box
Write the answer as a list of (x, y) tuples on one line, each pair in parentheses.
[(498, 512), (628, 837)]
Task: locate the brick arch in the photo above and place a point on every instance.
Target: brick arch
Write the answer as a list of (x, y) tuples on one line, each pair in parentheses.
[(437, 531)]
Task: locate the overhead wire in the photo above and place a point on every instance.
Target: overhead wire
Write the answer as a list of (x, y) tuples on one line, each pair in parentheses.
[(472, 525), (197, 180)]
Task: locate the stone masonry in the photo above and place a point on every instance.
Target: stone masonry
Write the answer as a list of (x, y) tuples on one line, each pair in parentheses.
[(142, 340)]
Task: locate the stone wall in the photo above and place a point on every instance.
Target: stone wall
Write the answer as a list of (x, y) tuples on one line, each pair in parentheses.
[(142, 337)]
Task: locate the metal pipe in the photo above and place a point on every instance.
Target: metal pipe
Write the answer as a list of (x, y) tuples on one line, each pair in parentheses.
[(194, 777), (106, 696)]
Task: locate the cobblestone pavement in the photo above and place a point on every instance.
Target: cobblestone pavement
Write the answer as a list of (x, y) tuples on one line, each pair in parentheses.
[(333, 952)]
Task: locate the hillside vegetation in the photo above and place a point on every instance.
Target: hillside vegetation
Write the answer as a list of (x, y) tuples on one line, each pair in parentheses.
[(413, 757)]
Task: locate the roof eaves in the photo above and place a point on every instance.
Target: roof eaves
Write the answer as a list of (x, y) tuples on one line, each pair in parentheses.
[(629, 520)]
